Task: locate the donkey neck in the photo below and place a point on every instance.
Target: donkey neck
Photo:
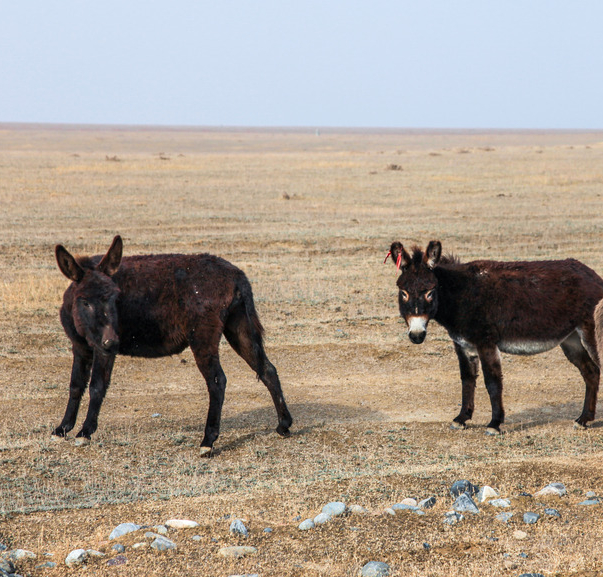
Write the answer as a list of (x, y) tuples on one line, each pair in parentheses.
[(454, 283)]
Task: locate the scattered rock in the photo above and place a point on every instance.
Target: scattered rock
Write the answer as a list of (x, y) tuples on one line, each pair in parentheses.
[(17, 555), (163, 544), (590, 494), (237, 527), (590, 502), (500, 503), (465, 504), (485, 493), (557, 489), (123, 529), (47, 565), (404, 507), (7, 566), (357, 510), (427, 503), (305, 525), (161, 529), (140, 545), (462, 486), (452, 518), (409, 501), (181, 524), (322, 518), (531, 518), (552, 512), (268, 530), (520, 535), (237, 552), (76, 557), (334, 509), (196, 537), (375, 569), (118, 560), (118, 548), (504, 517), (389, 511)]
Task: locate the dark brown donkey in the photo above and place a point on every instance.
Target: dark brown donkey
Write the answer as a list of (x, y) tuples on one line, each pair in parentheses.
[(154, 306), (520, 308)]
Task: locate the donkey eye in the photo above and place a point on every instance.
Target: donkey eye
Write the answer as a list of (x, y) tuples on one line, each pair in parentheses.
[(86, 303), (429, 295), (405, 296)]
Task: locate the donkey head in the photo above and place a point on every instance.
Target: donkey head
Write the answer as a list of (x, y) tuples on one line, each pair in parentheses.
[(418, 294), (94, 302)]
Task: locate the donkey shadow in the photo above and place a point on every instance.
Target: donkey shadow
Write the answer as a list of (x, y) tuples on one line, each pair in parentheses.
[(538, 417)]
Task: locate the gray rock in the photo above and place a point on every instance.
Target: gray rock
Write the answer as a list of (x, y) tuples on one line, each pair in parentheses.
[(196, 537), (268, 530), (590, 502), (334, 509), (504, 517), (357, 510), (237, 527), (503, 503), (17, 555), (452, 518), (123, 529), (118, 560), (427, 503), (181, 524), (531, 518), (118, 548), (590, 495), (305, 525), (404, 507), (557, 489), (462, 486), (76, 557), (163, 544), (465, 504), (47, 565), (322, 518), (375, 569), (3, 547), (552, 512), (7, 566)]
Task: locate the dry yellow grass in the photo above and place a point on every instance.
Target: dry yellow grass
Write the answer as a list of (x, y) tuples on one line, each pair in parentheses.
[(309, 218)]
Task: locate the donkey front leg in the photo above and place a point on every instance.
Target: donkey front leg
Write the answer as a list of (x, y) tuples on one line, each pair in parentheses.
[(102, 367), (491, 367), (80, 374), (469, 366)]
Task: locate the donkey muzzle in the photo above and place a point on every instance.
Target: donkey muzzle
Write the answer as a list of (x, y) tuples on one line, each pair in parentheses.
[(417, 329)]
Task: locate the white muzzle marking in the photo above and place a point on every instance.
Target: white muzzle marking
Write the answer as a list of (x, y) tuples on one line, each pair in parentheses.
[(417, 324)]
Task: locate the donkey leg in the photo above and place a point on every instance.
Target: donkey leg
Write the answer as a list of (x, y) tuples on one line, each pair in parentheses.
[(80, 374), (469, 366), (491, 367), (577, 354), (102, 367), (239, 336)]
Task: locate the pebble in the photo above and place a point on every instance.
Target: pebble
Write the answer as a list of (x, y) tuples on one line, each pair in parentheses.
[(7, 566), (389, 511), (589, 502), (504, 517), (409, 501), (427, 503), (552, 489), (500, 503), (334, 509), (404, 507), (305, 525), (268, 530), (552, 512), (322, 518), (485, 493), (118, 560), (462, 486), (237, 552), (357, 510), (123, 529), (196, 537), (237, 527), (452, 518), (531, 518), (118, 548), (76, 557), (375, 569), (590, 494), (163, 544), (181, 524), (161, 529), (520, 535), (19, 555), (47, 565), (465, 504)]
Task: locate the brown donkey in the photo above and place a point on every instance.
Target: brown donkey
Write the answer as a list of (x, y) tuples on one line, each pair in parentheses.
[(155, 306), (520, 308)]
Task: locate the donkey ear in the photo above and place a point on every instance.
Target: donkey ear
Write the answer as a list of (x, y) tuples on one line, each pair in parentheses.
[(399, 255), (433, 253), (110, 262), (67, 264)]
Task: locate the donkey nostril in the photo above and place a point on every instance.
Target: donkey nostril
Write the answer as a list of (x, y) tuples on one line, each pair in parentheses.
[(108, 343)]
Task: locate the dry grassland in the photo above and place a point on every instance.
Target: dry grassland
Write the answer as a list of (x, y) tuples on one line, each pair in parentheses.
[(310, 218)]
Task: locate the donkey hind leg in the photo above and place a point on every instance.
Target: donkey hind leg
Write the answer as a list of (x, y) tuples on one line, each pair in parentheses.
[(469, 366), (241, 338), (578, 355), (491, 367), (80, 374), (102, 368)]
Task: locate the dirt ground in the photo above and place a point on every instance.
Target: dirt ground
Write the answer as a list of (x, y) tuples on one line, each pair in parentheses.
[(309, 216)]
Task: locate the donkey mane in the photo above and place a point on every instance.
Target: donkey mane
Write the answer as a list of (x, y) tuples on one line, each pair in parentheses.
[(417, 254)]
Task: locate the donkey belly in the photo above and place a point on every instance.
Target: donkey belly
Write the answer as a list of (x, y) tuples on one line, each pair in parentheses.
[(527, 347)]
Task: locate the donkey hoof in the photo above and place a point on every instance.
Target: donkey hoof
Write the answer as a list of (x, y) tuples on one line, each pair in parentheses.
[(492, 431), (56, 438), (283, 431), (81, 442), (456, 426), (580, 427), (205, 452)]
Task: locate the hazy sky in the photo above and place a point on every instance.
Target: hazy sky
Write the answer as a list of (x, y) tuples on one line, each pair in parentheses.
[(398, 63)]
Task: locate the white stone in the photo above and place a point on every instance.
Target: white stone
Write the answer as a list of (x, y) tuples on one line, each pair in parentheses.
[(485, 493), (306, 525), (520, 535), (357, 510), (237, 552), (322, 518), (552, 489), (76, 557), (409, 501), (123, 529), (500, 503), (334, 509), (181, 524)]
